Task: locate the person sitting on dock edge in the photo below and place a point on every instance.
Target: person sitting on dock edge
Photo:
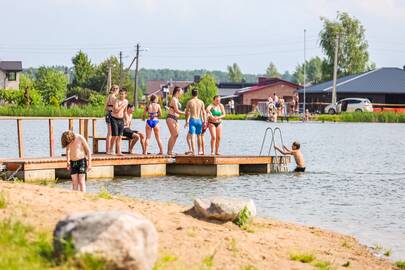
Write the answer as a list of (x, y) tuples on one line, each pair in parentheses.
[(132, 135), (296, 152), (78, 157), (195, 118)]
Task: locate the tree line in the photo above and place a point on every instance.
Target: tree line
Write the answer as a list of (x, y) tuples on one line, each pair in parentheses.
[(50, 85)]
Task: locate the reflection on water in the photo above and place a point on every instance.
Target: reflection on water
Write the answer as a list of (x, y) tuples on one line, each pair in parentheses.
[(355, 182)]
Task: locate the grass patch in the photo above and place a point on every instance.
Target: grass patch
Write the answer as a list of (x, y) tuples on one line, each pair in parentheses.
[(346, 264), (388, 253), (104, 194), (233, 246), (243, 217), (377, 248), (322, 265), (24, 248), (364, 117), (164, 262), (3, 200), (208, 262), (302, 257), (345, 244), (249, 267), (400, 264)]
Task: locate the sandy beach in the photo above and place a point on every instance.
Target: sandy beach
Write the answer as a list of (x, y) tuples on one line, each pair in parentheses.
[(187, 241)]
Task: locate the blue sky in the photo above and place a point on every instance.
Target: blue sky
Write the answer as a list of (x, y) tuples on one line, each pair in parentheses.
[(188, 34)]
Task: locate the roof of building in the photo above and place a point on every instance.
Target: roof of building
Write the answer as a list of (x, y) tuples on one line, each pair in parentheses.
[(11, 65), (380, 80), (267, 83), (155, 86), (75, 98)]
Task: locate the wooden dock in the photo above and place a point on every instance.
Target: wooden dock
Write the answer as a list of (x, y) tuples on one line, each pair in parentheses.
[(108, 167)]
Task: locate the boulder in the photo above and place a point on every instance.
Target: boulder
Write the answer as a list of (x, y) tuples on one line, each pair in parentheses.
[(223, 208), (124, 240)]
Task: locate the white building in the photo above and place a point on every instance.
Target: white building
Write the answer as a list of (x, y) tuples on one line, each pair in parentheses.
[(10, 74)]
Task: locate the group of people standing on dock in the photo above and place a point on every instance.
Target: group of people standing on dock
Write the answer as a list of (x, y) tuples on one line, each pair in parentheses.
[(198, 119)]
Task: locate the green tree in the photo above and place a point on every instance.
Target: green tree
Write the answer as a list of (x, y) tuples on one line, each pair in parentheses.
[(234, 73), (207, 89), (353, 54), (83, 69), (52, 84), (272, 72), (99, 81), (287, 76), (314, 72)]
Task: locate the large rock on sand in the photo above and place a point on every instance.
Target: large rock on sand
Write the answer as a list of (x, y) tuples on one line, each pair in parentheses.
[(223, 208), (125, 240)]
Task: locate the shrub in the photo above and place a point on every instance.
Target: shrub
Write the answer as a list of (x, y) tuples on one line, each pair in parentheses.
[(243, 217), (96, 99), (302, 257), (3, 200)]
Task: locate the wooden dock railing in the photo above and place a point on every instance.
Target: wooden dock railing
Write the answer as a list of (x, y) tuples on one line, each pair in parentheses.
[(83, 129)]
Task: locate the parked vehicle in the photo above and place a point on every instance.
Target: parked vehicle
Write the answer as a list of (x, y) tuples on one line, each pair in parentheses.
[(350, 105)]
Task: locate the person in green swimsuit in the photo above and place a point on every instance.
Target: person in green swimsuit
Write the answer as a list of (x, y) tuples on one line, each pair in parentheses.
[(215, 112)]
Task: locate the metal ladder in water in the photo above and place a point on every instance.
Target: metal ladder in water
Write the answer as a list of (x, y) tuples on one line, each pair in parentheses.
[(279, 163)]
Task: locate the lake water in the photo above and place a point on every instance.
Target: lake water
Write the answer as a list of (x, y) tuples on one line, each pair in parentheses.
[(354, 184)]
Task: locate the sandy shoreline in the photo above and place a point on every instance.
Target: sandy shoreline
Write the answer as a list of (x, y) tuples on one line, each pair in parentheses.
[(267, 244)]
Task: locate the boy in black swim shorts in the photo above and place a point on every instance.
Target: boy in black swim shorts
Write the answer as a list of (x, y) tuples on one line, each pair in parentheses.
[(296, 153), (132, 135), (78, 158)]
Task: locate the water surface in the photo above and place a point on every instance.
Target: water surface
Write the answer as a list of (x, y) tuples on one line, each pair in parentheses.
[(354, 184)]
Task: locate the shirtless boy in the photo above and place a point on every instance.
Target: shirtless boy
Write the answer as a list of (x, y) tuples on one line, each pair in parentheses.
[(195, 117), (296, 152), (117, 121), (132, 135), (78, 158)]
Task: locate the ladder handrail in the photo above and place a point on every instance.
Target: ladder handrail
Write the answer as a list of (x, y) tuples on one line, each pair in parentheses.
[(264, 138)]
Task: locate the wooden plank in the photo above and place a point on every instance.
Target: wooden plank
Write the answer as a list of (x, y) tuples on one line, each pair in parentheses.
[(45, 117), (86, 129), (94, 132), (51, 139), (71, 124), (81, 127), (20, 139)]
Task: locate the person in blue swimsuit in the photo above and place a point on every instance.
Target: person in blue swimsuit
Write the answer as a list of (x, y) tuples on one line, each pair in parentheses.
[(153, 110)]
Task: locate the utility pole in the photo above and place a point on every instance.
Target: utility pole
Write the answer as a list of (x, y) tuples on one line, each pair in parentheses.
[(120, 69), (109, 84), (305, 66), (136, 77), (335, 69)]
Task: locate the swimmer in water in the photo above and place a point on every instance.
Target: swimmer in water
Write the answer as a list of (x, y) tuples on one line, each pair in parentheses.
[(154, 111), (296, 153)]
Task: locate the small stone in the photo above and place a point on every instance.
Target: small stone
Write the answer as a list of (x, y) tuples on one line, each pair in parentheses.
[(223, 208), (125, 240)]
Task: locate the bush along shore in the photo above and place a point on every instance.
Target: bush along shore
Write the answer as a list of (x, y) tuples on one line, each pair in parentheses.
[(29, 213), (86, 111), (98, 111)]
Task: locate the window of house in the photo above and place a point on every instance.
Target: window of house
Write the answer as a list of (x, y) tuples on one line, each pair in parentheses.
[(11, 76)]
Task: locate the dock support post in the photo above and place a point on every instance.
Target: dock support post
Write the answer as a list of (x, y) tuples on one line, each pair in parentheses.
[(81, 127), (51, 139), (71, 124), (94, 130), (20, 139), (142, 170), (86, 129)]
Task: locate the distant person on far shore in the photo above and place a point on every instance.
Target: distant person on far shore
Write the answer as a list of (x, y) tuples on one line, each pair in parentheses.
[(153, 110), (78, 157), (307, 115), (108, 107), (296, 153), (231, 104), (195, 119), (117, 122), (132, 135)]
